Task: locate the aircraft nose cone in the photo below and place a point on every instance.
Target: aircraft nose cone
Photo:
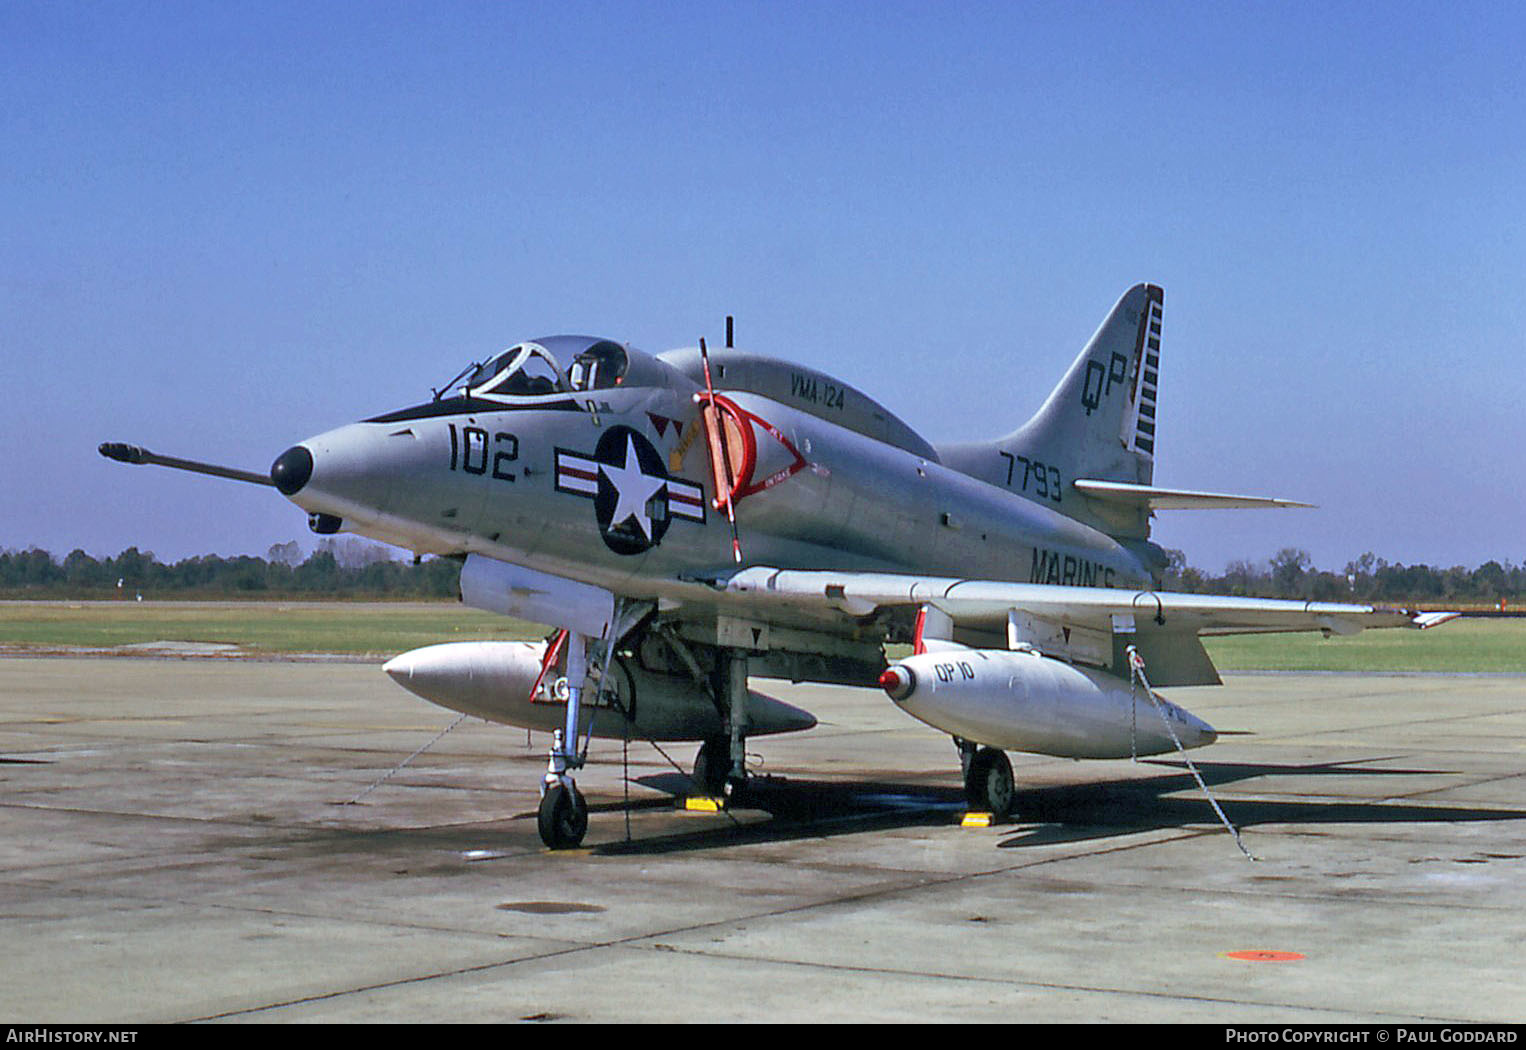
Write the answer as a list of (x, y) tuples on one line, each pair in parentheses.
[(291, 470)]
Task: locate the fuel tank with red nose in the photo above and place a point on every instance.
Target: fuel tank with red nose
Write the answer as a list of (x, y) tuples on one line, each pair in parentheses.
[(1023, 701), (504, 682)]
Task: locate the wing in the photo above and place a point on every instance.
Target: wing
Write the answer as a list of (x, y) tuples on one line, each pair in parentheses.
[(1090, 624)]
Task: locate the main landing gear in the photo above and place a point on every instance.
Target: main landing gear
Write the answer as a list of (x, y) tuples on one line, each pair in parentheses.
[(988, 784), (712, 766), (720, 768)]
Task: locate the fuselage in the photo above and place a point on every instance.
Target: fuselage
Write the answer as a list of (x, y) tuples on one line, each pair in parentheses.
[(615, 487)]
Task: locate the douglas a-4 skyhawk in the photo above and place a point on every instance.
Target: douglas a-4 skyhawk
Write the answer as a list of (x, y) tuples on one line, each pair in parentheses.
[(690, 520)]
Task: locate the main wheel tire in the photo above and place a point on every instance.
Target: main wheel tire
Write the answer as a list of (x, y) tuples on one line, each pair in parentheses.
[(988, 786), (713, 765), (563, 817)]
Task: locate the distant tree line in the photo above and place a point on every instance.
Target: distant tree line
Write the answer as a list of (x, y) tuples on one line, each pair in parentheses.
[(342, 568), (348, 567), (1290, 573)]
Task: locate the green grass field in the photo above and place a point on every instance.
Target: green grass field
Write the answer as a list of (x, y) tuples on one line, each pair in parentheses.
[(1458, 646), (351, 628), (381, 629)]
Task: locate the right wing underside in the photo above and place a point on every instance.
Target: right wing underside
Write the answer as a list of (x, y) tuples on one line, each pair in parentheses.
[(1091, 623)]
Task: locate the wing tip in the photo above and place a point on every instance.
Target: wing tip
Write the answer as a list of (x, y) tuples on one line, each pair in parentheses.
[(1426, 620)]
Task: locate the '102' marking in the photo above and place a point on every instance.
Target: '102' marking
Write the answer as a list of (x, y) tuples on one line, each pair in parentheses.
[(469, 451)]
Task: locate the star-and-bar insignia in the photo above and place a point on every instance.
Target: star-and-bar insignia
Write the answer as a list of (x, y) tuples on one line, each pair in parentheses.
[(634, 497), (686, 500), (575, 473)]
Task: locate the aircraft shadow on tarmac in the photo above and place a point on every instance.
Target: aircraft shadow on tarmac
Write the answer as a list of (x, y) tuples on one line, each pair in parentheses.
[(799, 808), (1119, 807)]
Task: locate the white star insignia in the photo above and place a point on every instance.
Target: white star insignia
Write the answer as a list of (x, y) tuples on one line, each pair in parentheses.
[(634, 488)]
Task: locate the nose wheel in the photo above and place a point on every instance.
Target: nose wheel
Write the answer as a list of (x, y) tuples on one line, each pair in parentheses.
[(563, 817)]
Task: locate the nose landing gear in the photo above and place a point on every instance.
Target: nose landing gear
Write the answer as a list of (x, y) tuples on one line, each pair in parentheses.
[(563, 817)]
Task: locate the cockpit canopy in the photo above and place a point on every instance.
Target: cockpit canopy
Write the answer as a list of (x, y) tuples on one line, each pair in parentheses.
[(531, 375), (533, 368)]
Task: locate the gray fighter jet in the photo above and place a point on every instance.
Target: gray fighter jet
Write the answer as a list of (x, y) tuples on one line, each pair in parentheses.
[(690, 520)]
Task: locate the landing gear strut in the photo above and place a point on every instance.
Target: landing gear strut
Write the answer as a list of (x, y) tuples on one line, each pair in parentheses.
[(988, 784), (563, 816), (720, 768), (731, 676)]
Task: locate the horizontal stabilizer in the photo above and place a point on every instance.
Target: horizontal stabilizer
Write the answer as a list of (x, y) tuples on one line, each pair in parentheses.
[(1126, 494)]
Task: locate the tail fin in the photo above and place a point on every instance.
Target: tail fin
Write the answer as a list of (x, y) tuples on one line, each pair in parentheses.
[(1097, 425)]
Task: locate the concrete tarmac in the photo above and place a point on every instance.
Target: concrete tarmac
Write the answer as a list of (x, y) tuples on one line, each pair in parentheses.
[(177, 845)]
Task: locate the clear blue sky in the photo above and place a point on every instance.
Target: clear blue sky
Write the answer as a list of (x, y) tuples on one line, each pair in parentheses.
[(227, 227)]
